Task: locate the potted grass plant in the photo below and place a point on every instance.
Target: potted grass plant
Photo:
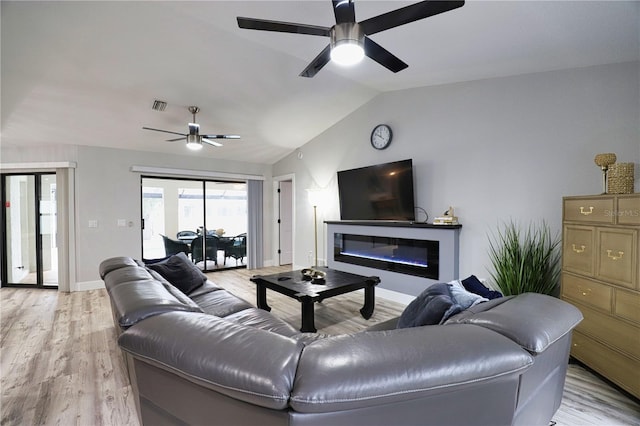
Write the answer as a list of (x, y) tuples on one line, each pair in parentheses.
[(525, 260)]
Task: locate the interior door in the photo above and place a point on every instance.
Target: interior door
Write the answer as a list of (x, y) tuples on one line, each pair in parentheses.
[(285, 224), (30, 220)]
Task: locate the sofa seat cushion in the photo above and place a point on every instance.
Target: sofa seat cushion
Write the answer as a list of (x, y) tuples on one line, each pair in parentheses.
[(258, 318), (207, 287), (134, 301), (244, 363), (220, 303), (532, 320)]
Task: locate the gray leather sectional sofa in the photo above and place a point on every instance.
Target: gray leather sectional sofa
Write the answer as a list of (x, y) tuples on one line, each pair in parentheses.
[(211, 358)]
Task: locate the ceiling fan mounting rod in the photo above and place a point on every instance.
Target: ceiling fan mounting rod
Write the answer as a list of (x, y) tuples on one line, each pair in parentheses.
[(194, 110)]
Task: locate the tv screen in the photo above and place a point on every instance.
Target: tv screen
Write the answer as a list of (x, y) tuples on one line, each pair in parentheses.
[(380, 192)]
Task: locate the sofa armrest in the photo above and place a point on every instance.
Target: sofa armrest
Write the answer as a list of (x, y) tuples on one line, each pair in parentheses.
[(532, 320), (244, 363), (373, 368)]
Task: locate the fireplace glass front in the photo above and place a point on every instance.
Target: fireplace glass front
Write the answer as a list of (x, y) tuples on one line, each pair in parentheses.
[(402, 255)]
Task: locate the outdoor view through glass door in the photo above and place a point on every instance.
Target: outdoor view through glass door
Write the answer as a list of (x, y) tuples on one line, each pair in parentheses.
[(30, 220), (207, 220)]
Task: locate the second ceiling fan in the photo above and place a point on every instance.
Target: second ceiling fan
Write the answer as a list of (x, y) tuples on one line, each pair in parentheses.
[(194, 139), (349, 40)]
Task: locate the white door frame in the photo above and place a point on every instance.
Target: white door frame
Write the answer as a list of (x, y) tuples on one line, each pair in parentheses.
[(276, 206)]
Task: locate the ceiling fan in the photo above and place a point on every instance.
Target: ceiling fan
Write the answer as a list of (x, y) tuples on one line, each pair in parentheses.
[(194, 139), (349, 40)]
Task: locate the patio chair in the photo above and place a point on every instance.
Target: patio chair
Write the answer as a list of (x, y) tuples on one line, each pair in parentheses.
[(237, 249), (186, 235), (174, 247), (210, 250)]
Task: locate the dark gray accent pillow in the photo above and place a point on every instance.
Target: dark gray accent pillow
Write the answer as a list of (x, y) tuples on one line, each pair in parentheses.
[(180, 272), (433, 306)]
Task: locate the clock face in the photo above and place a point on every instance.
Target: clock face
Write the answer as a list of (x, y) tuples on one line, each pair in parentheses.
[(381, 136)]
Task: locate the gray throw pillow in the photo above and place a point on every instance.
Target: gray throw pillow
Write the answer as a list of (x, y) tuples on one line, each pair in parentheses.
[(180, 272)]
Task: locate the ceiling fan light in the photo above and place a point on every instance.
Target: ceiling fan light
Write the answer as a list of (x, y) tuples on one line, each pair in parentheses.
[(347, 53), (194, 142), (347, 41)]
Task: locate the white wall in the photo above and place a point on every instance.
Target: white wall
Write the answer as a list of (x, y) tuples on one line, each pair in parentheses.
[(107, 190), (494, 149)]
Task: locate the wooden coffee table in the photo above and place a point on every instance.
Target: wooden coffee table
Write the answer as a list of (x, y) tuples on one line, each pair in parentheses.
[(293, 285)]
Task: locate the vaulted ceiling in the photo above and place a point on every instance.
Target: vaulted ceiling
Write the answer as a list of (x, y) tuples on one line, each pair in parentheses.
[(87, 73)]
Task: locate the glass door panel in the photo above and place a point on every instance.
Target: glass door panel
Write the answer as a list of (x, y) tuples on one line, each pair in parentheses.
[(48, 230), (226, 218), (30, 230), (169, 208), (176, 218)]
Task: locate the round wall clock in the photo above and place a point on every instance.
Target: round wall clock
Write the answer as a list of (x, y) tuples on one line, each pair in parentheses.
[(381, 136)]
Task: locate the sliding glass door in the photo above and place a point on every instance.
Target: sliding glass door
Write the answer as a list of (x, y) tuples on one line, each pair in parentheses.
[(207, 220), (30, 251)]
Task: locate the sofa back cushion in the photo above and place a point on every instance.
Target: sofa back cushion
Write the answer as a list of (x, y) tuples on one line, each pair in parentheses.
[(134, 301), (375, 368), (245, 363), (114, 263)]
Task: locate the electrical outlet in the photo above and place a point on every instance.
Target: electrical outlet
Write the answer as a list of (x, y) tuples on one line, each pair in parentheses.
[(93, 223)]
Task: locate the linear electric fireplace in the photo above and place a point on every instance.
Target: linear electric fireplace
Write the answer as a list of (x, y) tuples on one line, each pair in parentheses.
[(402, 255), (406, 256)]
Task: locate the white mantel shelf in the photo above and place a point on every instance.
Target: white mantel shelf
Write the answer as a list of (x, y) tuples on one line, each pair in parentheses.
[(447, 235)]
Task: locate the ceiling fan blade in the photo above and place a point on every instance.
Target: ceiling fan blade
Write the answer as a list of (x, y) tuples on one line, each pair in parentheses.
[(407, 14), (382, 56), (163, 131), (221, 136), (210, 142), (283, 27), (176, 139), (344, 11), (316, 65)]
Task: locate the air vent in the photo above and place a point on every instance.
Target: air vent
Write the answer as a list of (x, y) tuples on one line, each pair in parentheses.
[(159, 105)]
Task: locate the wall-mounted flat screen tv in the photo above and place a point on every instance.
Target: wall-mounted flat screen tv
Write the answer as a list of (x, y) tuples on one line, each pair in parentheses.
[(380, 192)]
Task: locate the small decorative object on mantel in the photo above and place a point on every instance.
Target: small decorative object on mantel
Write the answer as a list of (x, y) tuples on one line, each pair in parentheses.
[(449, 218), (620, 179), (604, 161)]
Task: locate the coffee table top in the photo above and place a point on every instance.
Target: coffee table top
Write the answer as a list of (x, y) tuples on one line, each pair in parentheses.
[(336, 282)]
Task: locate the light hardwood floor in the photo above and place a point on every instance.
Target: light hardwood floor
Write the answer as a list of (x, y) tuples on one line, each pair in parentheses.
[(60, 364)]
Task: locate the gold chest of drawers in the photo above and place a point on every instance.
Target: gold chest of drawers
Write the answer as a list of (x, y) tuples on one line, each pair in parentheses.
[(601, 276)]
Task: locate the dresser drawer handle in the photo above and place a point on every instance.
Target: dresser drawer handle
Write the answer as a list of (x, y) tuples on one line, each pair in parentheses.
[(578, 250), (584, 291), (584, 212), (614, 257)]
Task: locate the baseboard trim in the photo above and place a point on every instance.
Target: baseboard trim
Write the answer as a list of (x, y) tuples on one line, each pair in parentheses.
[(88, 285)]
